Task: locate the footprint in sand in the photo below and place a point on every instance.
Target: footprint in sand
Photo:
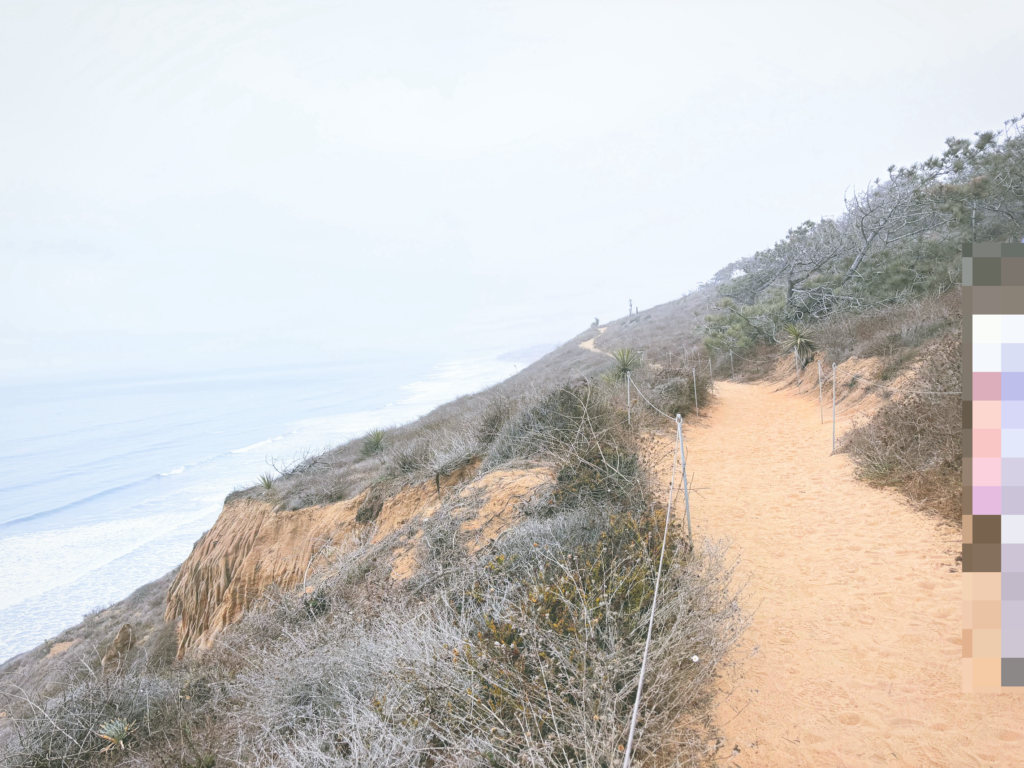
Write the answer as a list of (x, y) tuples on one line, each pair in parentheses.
[(849, 718)]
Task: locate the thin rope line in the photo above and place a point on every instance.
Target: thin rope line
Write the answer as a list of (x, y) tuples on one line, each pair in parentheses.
[(629, 381), (755, 360), (654, 607)]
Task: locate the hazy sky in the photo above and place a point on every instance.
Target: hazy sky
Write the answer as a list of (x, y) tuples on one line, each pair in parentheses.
[(183, 182)]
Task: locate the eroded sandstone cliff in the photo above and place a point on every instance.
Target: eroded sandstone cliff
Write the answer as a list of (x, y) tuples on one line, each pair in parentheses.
[(254, 545)]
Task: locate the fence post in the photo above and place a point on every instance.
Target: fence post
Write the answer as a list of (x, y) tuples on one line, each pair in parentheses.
[(821, 406), (629, 404), (696, 405), (686, 488), (833, 408), (731, 366)]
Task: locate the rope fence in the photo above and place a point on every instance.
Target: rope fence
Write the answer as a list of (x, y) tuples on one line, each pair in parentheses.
[(822, 380), (678, 461)]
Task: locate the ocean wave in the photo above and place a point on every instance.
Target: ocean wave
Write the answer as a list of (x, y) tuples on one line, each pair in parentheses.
[(257, 445), (81, 549)]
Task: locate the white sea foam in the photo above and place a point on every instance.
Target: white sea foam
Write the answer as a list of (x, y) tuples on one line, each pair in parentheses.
[(78, 550), (254, 446)]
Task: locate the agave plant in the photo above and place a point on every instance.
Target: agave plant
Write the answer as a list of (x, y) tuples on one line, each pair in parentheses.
[(266, 480), (115, 731), (373, 443), (626, 361)]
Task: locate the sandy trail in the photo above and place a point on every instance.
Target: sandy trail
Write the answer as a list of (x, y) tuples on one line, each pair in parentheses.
[(589, 343), (853, 655)]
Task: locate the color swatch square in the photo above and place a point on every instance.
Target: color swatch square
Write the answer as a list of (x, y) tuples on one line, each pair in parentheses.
[(993, 466)]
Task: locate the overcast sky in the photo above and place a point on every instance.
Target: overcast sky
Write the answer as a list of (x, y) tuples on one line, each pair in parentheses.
[(220, 181)]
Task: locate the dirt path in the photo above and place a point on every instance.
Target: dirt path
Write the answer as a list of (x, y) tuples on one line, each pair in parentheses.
[(853, 656), (589, 343)]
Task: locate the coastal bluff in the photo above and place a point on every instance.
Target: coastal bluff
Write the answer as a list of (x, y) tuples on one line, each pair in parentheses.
[(253, 545)]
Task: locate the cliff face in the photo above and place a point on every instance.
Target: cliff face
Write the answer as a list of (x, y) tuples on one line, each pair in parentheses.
[(252, 545)]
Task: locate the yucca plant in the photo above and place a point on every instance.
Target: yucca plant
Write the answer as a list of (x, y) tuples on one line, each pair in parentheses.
[(266, 480), (801, 342), (373, 443), (626, 361), (115, 731)]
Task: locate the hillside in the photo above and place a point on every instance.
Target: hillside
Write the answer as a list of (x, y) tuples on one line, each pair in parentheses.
[(472, 583), (474, 587)]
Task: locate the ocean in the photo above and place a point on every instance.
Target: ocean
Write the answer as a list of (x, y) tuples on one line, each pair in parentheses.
[(106, 485)]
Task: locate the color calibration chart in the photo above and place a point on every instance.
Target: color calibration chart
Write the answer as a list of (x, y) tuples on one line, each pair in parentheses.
[(993, 506)]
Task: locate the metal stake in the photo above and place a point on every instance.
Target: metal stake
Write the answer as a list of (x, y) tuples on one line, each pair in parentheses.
[(686, 489), (833, 408), (629, 403)]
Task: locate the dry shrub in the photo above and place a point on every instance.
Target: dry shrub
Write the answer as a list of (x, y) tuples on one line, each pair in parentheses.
[(65, 730), (529, 659), (896, 331), (571, 425), (913, 442), (750, 364), (670, 388)]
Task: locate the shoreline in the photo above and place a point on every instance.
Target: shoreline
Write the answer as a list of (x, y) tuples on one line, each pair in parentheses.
[(65, 562)]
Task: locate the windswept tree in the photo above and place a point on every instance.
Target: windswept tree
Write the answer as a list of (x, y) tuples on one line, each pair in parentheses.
[(897, 238)]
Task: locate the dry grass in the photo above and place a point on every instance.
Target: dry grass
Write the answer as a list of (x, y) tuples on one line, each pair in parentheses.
[(892, 332), (914, 441)]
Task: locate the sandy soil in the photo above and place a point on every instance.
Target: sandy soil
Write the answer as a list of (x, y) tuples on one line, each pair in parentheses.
[(853, 657), (589, 343)]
